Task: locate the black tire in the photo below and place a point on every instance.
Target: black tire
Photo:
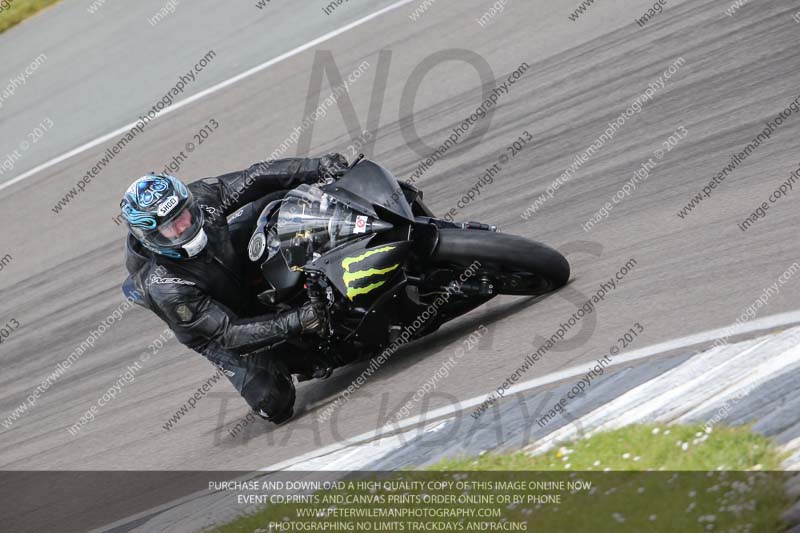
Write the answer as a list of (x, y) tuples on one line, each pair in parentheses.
[(518, 265)]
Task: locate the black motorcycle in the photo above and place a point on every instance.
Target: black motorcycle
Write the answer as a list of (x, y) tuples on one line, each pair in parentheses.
[(386, 271)]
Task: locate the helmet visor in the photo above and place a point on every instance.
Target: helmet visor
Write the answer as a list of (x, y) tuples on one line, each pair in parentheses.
[(179, 229)]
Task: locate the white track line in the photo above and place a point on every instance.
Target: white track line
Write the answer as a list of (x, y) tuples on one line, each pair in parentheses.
[(206, 92), (766, 323)]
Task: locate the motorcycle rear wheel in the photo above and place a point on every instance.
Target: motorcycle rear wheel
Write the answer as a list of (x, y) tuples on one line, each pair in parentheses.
[(515, 265)]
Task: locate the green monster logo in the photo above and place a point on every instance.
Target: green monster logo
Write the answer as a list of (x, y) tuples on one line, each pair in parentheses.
[(348, 276)]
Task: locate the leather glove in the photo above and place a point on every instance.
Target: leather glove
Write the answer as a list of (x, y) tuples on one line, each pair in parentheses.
[(333, 165), (312, 318)]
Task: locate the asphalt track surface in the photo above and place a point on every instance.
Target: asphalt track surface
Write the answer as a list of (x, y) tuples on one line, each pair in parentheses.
[(691, 275), (105, 68)]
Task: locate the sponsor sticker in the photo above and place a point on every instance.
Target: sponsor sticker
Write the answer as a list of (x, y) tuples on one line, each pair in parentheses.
[(361, 224), (158, 280), (168, 205), (236, 215)]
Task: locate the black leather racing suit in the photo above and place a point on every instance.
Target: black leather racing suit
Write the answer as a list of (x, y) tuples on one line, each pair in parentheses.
[(205, 299)]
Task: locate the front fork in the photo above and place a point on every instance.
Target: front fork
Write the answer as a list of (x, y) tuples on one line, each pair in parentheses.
[(481, 286), (321, 294), (318, 294)]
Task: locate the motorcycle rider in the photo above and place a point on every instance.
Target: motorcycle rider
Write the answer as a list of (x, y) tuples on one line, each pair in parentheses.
[(186, 267)]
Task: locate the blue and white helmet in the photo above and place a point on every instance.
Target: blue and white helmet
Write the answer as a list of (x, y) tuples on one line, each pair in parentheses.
[(161, 213)]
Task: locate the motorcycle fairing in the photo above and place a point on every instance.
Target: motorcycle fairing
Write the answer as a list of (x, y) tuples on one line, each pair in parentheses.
[(369, 184), (389, 308), (282, 281), (361, 273)]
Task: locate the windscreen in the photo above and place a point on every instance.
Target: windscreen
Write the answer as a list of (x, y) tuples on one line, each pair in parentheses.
[(312, 222)]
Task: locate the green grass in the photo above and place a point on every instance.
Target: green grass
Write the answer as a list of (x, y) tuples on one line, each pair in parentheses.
[(19, 10), (642, 447), (720, 481)]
